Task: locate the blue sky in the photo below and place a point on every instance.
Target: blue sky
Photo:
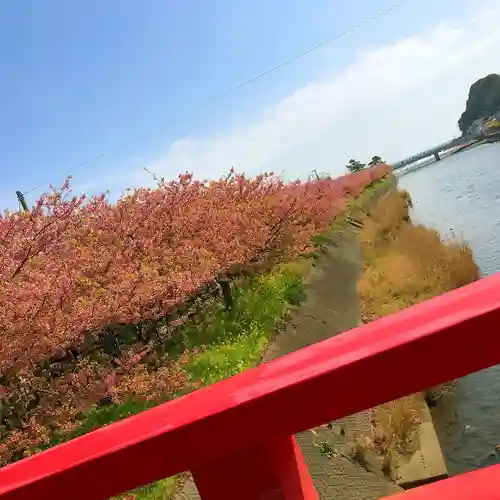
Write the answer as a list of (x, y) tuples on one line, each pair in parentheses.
[(79, 78)]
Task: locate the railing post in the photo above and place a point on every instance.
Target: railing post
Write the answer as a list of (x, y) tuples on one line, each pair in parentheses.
[(275, 471)]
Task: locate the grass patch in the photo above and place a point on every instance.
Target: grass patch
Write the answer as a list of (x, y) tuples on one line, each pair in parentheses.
[(405, 264), (238, 337), (160, 490)]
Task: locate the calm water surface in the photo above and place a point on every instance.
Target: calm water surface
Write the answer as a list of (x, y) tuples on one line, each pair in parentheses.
[(461, 195)]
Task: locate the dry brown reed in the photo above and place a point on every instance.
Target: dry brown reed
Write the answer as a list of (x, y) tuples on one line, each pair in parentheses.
[(404, 264)]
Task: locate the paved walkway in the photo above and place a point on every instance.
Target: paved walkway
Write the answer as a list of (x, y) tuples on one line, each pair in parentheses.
[(331, 308)]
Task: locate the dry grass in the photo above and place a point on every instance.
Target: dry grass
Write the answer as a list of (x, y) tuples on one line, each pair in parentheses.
[(395, 427), (405, 264)]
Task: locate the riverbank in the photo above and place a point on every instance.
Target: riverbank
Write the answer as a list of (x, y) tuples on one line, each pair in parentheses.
[(405, 264), (488, 139), (460, 195), (374, 449)]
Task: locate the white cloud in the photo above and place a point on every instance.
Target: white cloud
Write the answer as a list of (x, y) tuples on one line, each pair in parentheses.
[(391, 101)]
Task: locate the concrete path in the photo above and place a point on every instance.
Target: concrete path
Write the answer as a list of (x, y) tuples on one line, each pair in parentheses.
[(331, 308)]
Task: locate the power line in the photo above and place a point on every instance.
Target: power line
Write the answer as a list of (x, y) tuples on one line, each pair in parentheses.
[(249, 81)]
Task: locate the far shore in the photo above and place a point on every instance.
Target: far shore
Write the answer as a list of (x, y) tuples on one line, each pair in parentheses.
[(487, 140)]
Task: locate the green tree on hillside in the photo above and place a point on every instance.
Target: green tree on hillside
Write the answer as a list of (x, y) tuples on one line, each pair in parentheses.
[(375, 160), (355, 166)]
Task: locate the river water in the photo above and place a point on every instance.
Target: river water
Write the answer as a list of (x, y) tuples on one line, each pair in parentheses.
[(461, 195)]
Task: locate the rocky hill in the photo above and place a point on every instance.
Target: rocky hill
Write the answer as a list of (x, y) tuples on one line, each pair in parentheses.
[(483, 100)]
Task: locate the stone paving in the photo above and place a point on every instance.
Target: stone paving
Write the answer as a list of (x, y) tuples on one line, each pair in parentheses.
[(331, 308)]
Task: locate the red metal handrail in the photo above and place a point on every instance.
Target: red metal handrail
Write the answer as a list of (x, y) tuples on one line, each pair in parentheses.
[(483, 484), (237, 435)]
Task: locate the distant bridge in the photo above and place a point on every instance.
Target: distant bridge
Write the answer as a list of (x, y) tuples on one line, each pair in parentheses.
[(455, 143)]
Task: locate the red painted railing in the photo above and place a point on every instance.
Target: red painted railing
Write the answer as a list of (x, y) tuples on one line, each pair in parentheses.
[(236, 436)]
